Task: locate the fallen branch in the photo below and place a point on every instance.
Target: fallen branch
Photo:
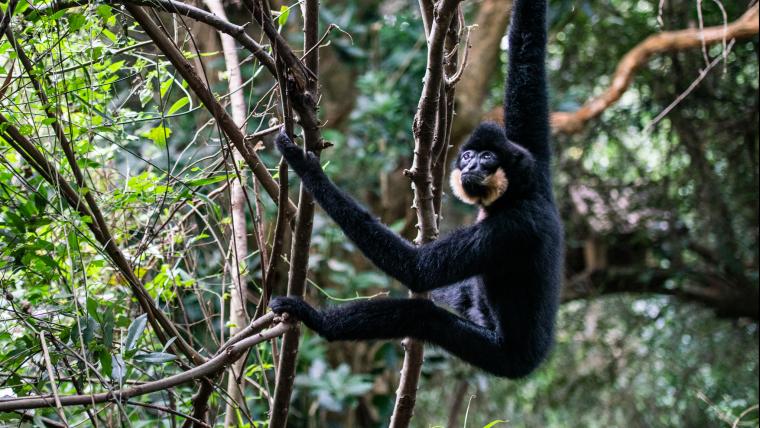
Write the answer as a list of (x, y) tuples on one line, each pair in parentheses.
[(573, 122), (209, 368)]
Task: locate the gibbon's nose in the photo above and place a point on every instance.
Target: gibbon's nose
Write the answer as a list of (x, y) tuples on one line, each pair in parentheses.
[(472, 167)]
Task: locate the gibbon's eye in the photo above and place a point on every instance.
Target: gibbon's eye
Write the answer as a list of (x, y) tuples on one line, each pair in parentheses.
[(488, 156), (467, 155)]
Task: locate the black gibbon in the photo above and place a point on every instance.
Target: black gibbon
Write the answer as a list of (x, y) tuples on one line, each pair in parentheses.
[(501, 275)]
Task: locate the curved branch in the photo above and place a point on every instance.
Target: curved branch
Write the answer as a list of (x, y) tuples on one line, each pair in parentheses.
[(212, 366), (572, 122)]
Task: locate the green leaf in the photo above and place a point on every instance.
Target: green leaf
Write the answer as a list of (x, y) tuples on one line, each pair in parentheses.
[(76, 21), (104, 11), (494, 423), (92, 308), (284, 14), (106, 364), (159, 135), (178, 105), (205, 181), (135, 331), (111, 36)]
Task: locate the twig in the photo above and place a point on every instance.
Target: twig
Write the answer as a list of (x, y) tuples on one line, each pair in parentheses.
[(168, 410), (702, 74), (743, 414), (51, 378), (5, 19)]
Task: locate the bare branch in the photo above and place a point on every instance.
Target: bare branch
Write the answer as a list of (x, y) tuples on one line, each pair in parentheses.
[(210, 367), (572, 122)]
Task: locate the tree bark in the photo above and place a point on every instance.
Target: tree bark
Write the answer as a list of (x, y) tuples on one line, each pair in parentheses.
[(237, 313)]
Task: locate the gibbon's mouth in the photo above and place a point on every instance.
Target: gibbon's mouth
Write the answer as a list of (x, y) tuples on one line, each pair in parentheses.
[(474, 178), (474, 184)]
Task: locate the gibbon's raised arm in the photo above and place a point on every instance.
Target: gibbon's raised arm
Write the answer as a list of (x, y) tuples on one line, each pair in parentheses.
[(526, 109), (457, 256)]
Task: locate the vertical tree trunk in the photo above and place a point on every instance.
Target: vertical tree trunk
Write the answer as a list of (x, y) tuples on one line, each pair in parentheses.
[(238, 317), (427, 124), (299, 259)]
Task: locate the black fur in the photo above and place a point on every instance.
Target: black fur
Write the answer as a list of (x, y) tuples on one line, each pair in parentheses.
[(502, 274)]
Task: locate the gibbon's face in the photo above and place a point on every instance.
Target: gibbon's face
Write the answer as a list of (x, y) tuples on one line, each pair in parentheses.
[(488, 165), (479, 178)]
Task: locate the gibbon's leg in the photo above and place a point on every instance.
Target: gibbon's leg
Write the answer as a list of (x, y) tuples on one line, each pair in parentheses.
[(418, 318)]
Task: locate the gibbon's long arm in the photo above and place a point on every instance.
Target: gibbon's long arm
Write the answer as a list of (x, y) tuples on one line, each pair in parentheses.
[(455, 257), (526, 110)]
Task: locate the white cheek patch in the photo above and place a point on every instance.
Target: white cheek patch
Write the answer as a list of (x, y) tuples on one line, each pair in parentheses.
[(496, 184), (455, 180)]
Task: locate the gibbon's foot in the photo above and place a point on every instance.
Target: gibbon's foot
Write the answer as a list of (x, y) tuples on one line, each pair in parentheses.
[(297, 308)]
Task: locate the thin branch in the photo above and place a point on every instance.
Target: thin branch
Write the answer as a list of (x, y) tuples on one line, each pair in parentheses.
[(702, 74), (573, 122), (52, 378), (165, 409), (210, 367), (5, 19)]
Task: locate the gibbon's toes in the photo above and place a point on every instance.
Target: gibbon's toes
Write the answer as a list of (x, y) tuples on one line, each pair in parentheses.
[(293, 306)]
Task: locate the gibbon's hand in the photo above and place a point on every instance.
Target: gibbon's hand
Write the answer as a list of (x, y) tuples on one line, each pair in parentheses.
[(299, 309), (301, 163)]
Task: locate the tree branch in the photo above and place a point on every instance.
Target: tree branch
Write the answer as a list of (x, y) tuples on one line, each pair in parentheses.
[(729, 300), (210, 367), (572, 122)]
